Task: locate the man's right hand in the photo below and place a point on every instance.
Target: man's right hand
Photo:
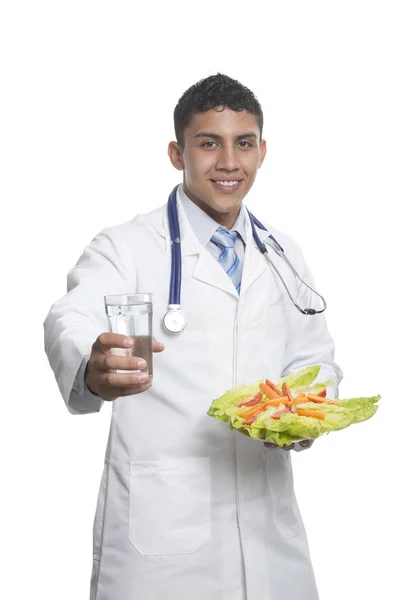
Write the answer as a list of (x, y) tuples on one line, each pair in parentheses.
[(100, 377)]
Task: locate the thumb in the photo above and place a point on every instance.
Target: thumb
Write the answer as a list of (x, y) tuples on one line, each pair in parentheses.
[(157, 346)]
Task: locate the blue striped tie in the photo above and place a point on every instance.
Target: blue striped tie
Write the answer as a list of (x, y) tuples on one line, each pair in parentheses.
[(228, 258)]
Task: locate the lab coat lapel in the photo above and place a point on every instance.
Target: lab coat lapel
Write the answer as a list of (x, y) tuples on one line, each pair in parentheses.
[(254, 262), (203, 266), (208, 270)]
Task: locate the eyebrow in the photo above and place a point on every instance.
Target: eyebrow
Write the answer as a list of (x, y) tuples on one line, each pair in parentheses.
[(214, 136)]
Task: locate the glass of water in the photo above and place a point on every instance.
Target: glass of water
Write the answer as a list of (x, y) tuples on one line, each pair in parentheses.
[(132, 315)]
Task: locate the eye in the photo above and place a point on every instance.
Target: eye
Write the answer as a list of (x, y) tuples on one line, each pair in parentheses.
[(205, 144), (245, 142)]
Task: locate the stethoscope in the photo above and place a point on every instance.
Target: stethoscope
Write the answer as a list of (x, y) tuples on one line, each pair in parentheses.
[(175, 319)]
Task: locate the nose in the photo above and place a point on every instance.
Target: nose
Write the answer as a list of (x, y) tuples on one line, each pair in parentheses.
[(227, 158)]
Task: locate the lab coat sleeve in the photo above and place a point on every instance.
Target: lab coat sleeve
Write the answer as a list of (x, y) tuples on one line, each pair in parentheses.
[(309, 341), (75, 321), (80, 388), (79, 381)]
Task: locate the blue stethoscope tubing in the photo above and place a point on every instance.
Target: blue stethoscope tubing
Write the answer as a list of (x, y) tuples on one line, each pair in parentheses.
[(174, 318)]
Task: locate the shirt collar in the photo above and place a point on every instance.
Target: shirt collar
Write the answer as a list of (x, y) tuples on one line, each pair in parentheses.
[(203, 225)]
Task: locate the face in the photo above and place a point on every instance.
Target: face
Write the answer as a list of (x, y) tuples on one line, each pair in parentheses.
[(220, 145)]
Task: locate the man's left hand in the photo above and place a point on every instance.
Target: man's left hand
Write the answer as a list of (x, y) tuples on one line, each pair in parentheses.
[(303, 443)]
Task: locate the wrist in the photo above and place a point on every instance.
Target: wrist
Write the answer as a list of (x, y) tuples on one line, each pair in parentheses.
[(86, 383)]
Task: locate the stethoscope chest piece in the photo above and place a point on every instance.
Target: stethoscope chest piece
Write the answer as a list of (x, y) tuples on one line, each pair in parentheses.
[(174, 320)]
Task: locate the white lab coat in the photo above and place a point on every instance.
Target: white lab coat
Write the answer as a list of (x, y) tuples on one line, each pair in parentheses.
[(187, 508)]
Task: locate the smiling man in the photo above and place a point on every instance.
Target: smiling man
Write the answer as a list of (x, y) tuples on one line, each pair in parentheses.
[(188, 508), (219, 151)]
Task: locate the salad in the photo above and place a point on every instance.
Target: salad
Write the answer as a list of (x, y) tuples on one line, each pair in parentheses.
[(292, 409)]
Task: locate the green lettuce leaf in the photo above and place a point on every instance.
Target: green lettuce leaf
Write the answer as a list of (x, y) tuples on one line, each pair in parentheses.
[(291, 426), (230, 398), (301, 378)]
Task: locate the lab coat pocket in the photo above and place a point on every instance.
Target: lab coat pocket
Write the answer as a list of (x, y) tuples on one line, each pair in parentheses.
[(169, 505), (285, 512)]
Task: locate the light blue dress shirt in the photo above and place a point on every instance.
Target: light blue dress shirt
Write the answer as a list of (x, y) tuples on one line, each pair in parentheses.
[(204, 226)]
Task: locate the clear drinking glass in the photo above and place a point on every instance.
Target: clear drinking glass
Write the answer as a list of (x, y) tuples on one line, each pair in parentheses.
[(132, 315)]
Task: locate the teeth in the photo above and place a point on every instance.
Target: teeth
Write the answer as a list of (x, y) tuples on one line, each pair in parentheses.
[(227, 183)]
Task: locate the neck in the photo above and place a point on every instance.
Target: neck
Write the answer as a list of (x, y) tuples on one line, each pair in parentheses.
[(225, 219)]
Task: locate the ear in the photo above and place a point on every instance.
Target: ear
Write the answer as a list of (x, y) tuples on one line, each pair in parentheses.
[(176, 155), (263, 152)]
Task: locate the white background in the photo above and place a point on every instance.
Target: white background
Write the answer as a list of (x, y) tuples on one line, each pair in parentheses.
[(88, 93)]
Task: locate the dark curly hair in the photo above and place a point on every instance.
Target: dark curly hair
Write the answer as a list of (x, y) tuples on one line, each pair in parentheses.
[(216, 90)]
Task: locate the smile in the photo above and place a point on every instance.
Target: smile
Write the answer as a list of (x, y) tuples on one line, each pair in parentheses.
[(226, 186)]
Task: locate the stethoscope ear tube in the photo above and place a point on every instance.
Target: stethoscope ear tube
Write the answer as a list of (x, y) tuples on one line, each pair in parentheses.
[(176, 255), (174, 320), (259, 243), (279, 250), (305, 311)]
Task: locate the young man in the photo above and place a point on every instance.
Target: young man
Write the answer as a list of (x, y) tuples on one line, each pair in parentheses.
[(188, 508)]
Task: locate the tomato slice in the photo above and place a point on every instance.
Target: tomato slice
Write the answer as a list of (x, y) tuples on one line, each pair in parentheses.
[(250, 420), (252, 401), (255, 400), (281, 411)]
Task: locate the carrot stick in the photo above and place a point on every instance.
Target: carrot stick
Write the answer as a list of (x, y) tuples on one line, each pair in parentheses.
[(251, 415), (300, 399), (269, 391), (318, 414), (287, 392), (315, 398), (274, 387), (263, 405), (277, 401), (319, 400), (255, 415), (254, 410)]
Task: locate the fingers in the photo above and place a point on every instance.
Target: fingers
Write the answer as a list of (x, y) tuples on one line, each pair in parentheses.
[(157, 346), (106, 341), (122, 380), (305, 443), (101, 376), (111, 362), (287, 447)]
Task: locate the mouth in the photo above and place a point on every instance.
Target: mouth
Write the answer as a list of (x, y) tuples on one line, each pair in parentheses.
[(227, 186)]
